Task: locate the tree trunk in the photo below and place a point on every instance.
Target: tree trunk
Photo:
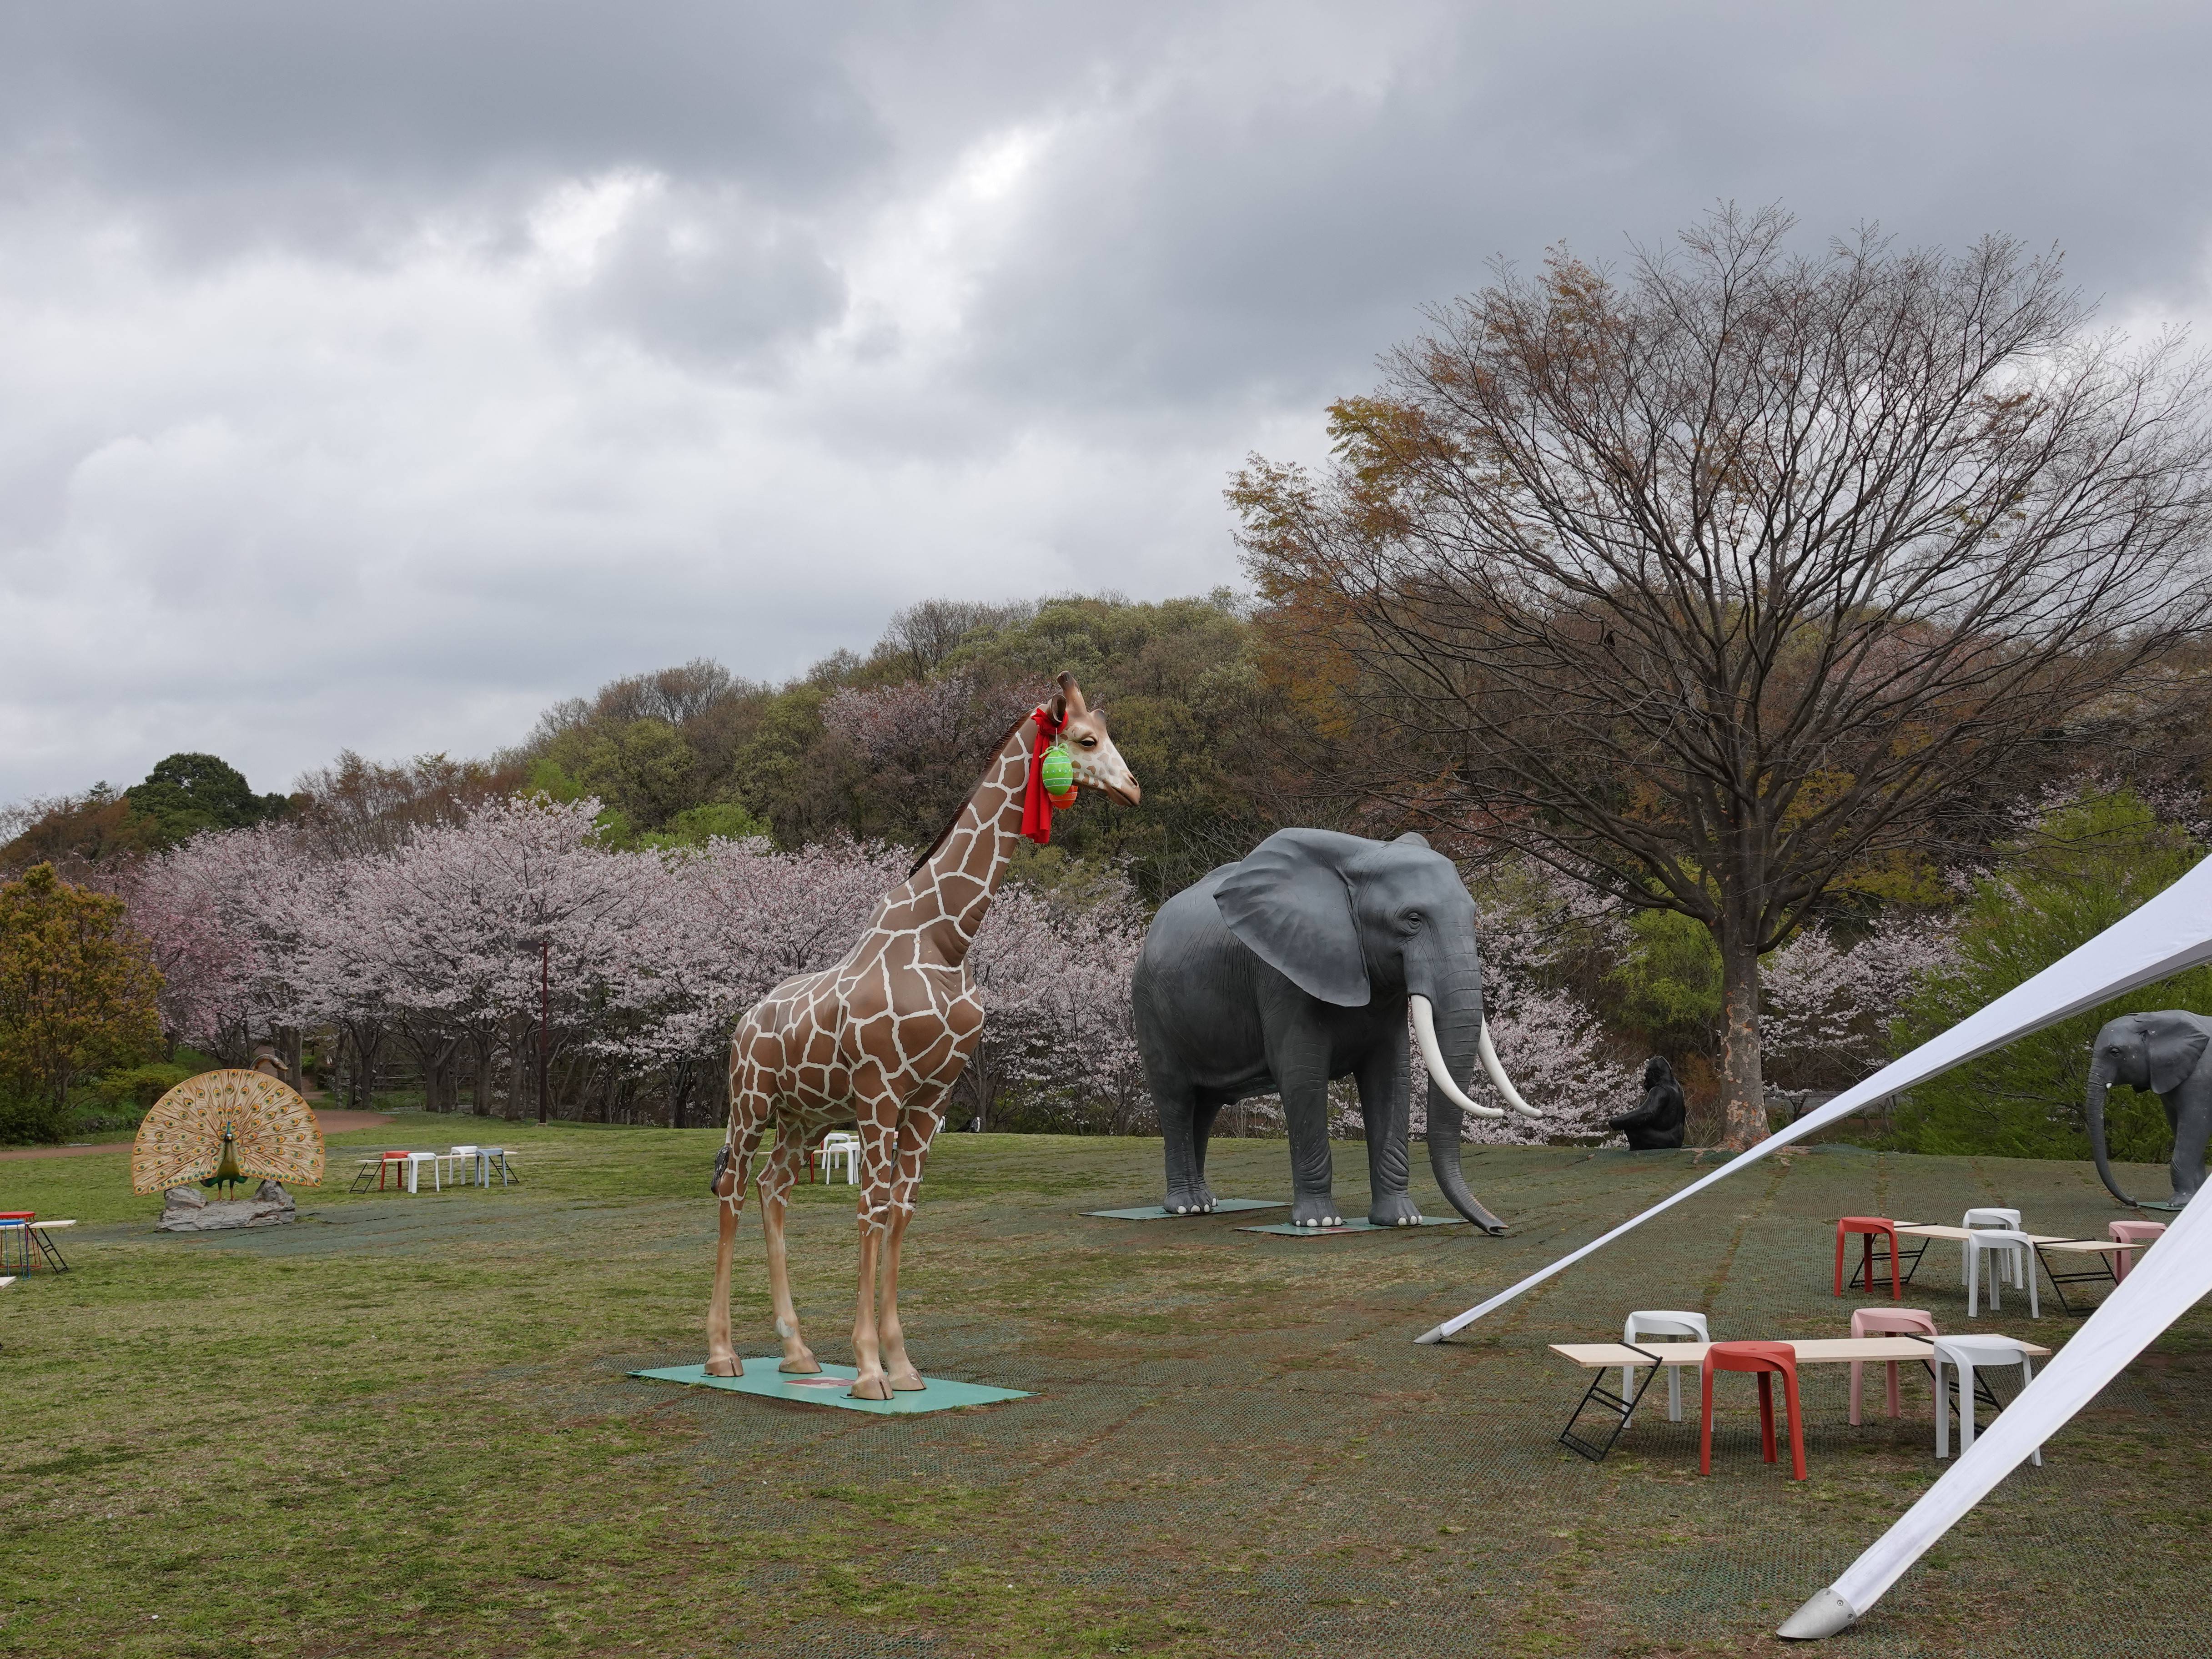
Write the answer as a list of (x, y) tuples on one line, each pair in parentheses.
[(1743, 1091)]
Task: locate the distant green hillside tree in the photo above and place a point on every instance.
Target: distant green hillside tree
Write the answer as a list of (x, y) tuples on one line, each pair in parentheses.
[(186, 794)]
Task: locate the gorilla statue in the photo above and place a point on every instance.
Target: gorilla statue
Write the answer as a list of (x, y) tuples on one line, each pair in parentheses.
[(1656, 1125)]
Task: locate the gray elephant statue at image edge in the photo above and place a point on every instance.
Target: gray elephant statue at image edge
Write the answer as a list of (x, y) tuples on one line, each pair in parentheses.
[(2165, 1052), (1298, 964)]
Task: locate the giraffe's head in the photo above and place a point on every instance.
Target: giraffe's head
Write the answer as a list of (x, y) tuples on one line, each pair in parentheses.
[(1098, 764)]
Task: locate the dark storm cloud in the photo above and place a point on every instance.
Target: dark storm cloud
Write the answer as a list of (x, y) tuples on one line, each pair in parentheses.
[(1215, 238), (373, 374), (435, 93)]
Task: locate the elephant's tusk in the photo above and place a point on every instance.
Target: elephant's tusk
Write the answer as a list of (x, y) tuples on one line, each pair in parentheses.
[(1424, 1032), (1498, 1078)]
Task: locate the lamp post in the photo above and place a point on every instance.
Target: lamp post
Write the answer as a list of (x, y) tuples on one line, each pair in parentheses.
[(544, 1018)]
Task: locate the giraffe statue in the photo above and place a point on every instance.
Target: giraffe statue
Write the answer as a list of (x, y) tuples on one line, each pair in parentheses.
[(881, 1038)]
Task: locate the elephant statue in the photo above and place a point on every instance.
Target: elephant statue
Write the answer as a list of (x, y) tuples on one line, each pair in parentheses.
[(1299, 965), (2165, 1052)]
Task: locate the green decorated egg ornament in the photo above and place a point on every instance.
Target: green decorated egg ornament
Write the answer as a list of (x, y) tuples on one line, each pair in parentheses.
[(1059, 777)]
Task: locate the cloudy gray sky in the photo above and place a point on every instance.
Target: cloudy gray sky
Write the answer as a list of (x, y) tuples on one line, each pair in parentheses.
[(371, 376)]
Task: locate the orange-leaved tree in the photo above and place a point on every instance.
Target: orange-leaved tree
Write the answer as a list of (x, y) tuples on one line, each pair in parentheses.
[(1714, 583)]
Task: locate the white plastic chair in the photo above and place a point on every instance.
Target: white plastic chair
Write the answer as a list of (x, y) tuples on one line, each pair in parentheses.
[(454, 1160), (1992, 1216), (1965, 1353), (1997, 1246), (1668, 1322), (839, 1144), (415, 1163)]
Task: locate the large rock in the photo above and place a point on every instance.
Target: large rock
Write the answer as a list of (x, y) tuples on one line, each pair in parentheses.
[(189, 1210)]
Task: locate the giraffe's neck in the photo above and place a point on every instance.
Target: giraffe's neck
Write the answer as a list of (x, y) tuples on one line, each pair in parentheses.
[(949, 897)]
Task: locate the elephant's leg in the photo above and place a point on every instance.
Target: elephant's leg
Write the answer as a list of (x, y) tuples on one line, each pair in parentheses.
[(2190, 1133), (1299, 1060), (1201, 1131), (1177, 1104), (1384, 1105)]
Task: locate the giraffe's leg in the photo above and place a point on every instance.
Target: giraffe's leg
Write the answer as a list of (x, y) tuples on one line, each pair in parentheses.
[(918, 1125), (775, 1183), (878, 1120), (904, 1377), (869, 1382), (729, 1200)]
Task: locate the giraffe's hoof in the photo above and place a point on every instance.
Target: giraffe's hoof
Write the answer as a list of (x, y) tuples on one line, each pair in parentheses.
[(870, 1387), (730, 1367), (809, 1366), (908, 1383)]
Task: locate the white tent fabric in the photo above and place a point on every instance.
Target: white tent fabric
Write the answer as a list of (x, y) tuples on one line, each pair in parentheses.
[(2166, 1285), (2165, 935)]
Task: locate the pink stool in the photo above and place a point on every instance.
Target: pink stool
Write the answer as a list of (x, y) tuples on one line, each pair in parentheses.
[(1878, 1322), (2130, 1232)]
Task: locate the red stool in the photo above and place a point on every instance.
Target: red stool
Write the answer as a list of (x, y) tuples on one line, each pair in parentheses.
[(1869, 1227), (1767, 1359)]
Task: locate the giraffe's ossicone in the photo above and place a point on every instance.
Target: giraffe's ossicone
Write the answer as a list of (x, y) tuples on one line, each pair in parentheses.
[(877, 1042)]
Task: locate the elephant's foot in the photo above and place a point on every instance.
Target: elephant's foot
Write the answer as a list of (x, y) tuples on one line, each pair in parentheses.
[(2177, 1202), (1395, 1210), (1316, 1212), (870, 1385), (1196, 1200)]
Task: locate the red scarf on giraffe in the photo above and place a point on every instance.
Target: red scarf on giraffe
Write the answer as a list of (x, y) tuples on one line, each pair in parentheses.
[(1036, 805)]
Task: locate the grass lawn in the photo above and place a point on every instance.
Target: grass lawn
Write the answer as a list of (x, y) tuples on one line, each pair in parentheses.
[(404, 1425)]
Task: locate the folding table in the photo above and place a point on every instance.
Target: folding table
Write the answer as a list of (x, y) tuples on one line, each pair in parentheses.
[(2046, 1246), (34, 1245), (1603, 1357)]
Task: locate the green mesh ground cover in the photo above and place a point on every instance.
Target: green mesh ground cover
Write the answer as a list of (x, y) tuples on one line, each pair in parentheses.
[(1232, 1449)]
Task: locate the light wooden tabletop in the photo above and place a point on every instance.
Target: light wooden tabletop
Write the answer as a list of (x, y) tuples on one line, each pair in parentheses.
[(1813, 1351), (1934, 1229)]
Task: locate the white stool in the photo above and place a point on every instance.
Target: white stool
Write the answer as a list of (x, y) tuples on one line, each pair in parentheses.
[(1997, 1245), (1668, 1322), (838, 1143), (1965, 1352), (455, 1158), (415, 1163), (1992, 1216)]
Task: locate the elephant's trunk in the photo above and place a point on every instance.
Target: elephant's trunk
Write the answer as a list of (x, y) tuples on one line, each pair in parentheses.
[(2099, 1080), (1460, 1036)]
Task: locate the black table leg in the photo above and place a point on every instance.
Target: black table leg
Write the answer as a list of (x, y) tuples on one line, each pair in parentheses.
[(1622, 1409)]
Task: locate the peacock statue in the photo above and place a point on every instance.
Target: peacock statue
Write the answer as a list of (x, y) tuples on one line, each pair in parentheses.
[(221, 1128)]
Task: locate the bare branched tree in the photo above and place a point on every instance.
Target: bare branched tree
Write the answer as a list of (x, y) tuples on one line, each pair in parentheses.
[(1712, 582)]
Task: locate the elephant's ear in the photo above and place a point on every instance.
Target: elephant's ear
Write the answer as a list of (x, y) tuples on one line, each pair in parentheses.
[(2174, 1050), (1288, 902)]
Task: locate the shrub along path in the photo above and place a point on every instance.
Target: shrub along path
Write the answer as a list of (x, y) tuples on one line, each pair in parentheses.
[(402, 1425)]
